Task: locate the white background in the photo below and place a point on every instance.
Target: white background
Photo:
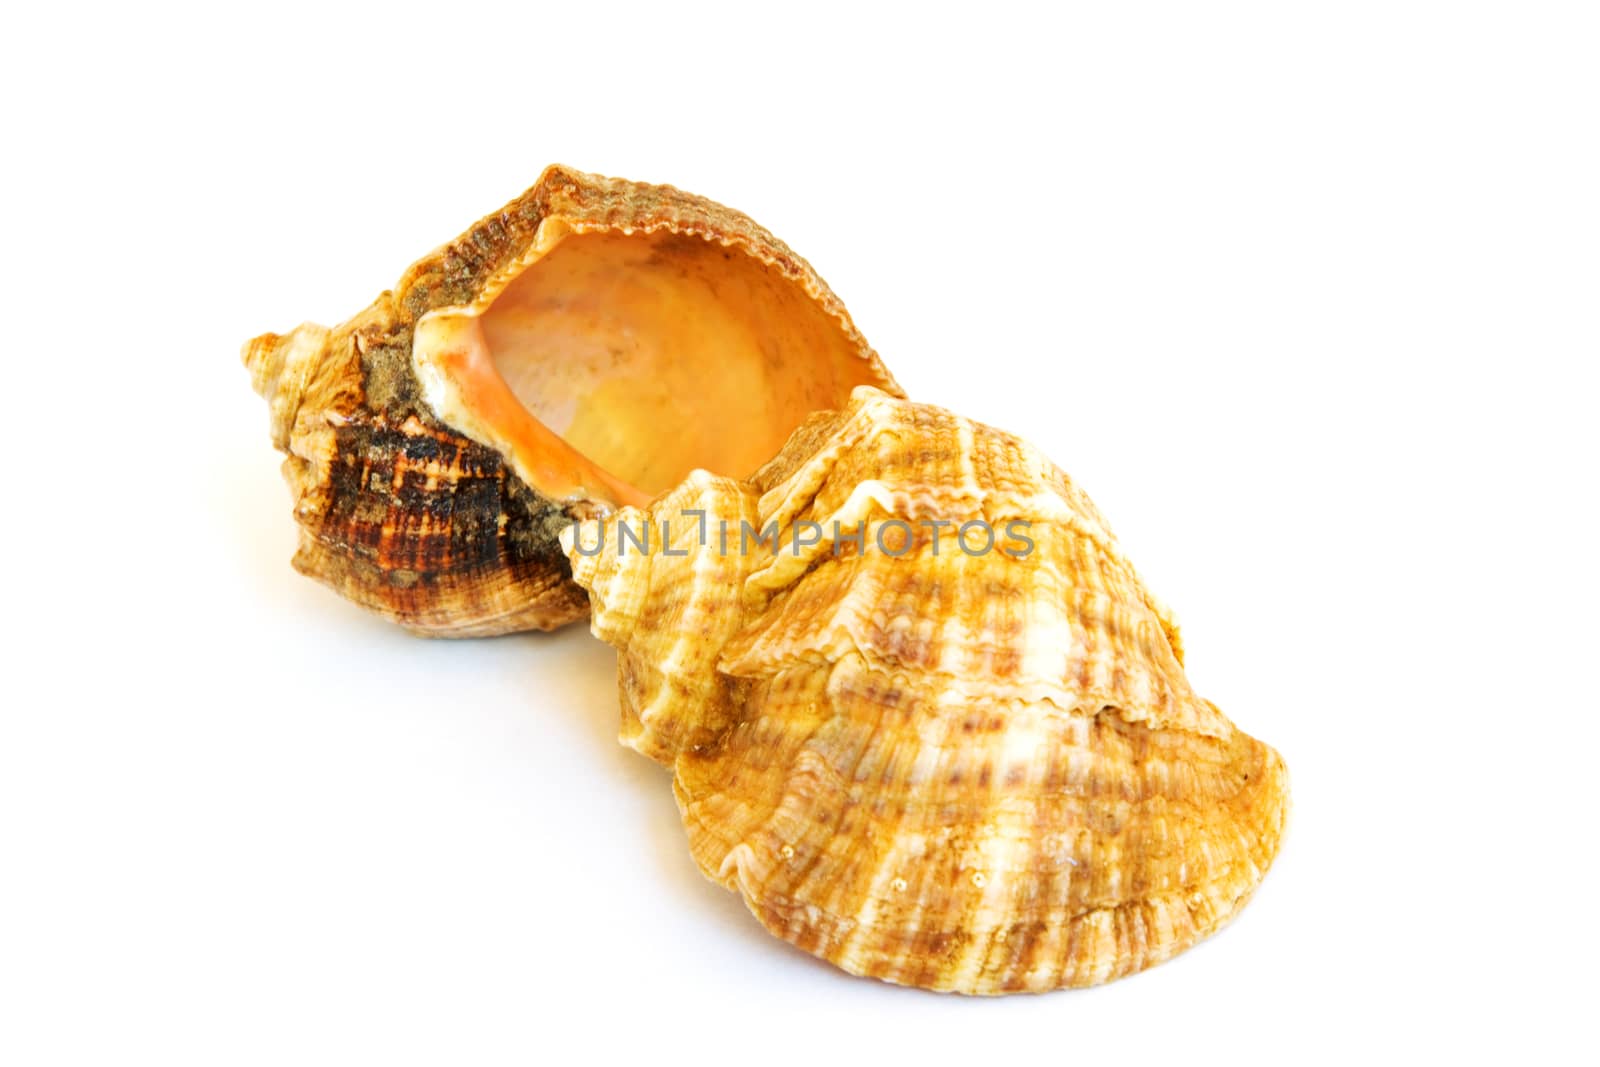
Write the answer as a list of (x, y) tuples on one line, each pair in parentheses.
[(1304, 295)]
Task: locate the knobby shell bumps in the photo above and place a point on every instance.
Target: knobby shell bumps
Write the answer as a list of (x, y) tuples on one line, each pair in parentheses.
[(584, 347), (981, 772)]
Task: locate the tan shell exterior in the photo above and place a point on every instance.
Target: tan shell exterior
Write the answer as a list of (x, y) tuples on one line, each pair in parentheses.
[(435, 525), (981, 773)]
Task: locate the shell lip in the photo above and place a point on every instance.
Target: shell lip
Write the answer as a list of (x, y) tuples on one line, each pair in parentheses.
[(462, 386), (465, 390)]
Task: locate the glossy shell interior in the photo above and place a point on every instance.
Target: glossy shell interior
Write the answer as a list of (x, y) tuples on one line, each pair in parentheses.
[(612, 365)]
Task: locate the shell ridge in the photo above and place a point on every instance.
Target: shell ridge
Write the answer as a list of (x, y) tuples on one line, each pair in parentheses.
[(775, 640)]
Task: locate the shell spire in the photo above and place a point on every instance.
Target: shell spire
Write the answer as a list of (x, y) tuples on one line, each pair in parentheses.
[(921, 712)]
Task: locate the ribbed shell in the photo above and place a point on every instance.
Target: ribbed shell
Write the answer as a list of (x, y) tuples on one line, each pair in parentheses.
[(417, 519), (979, 772)]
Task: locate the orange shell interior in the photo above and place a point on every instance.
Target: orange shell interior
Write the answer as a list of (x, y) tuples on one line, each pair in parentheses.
[(614, 364)]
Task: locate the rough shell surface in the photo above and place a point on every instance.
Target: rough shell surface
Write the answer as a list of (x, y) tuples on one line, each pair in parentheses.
[(977, 772), (431, 486)]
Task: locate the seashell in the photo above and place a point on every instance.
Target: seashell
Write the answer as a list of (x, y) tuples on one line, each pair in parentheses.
[(584, 347), (961, 757)]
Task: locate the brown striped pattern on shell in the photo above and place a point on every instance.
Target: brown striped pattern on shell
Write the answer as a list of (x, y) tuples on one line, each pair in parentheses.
[(983, 772)]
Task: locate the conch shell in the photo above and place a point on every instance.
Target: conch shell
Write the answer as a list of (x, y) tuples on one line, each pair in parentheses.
[(921, 712), (584, 347)]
